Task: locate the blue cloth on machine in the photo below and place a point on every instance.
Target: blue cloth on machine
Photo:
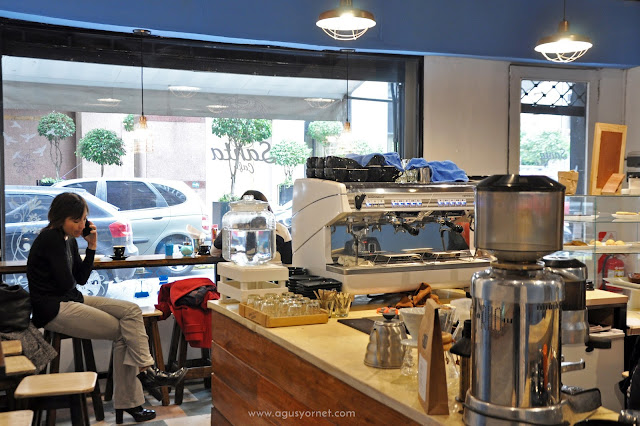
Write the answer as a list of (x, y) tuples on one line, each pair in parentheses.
[(390, 158), (416, 163), (446, 171)]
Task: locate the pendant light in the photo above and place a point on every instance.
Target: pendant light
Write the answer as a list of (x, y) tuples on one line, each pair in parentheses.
[(143, 141), (563, 46), (345, 22), (347, 123)]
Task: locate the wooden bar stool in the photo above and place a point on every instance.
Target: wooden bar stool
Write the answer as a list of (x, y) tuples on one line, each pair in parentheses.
[(16, 418), (61, 390), (150, 316), (198, 368), (83, 360), (15, 368), (11, 347), (18, 365)]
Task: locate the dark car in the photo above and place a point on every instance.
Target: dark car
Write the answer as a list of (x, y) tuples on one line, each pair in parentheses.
[(26, 210)]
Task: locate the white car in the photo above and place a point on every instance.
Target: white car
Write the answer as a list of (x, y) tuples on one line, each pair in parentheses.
[(159, 210)]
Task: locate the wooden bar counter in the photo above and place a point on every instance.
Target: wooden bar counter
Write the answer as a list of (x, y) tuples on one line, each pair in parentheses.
[(310, 374), (311, 369), (105, 262)]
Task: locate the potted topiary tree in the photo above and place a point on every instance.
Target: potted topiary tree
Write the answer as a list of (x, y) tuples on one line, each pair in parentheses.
[(103, 147), (220, 207), (288, 154), (323, 131), (240, 132), (128, 123), (46, 181), (56, 126)]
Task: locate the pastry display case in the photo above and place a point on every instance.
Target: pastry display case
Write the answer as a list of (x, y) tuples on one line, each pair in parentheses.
[(604, 233)]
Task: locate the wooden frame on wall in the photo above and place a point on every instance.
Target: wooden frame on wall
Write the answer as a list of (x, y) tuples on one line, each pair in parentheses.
[(609, 147)]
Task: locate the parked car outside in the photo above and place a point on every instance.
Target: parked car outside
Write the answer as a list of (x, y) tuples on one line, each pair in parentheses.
[(26, 210), (283, 214), (160, 211)]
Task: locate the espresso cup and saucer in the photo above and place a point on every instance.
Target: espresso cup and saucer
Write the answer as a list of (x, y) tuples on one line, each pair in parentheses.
[(118, 253)]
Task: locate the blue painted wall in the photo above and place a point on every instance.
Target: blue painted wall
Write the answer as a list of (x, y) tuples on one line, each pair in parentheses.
[(501, 29)]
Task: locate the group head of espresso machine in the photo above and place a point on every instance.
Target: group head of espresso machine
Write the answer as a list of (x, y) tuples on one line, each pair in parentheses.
[(525, 309)]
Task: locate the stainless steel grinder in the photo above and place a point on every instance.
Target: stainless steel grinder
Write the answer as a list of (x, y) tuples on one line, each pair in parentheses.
[(575, 325), (516, 343)]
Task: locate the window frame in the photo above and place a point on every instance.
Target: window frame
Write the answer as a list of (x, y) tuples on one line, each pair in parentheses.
[(517, 74)]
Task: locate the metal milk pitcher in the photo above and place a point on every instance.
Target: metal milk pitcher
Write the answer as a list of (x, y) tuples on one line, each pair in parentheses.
[(384, 349)]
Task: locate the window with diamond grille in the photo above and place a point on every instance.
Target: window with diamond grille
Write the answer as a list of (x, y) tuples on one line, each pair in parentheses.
[(553, 97), (552, 127)]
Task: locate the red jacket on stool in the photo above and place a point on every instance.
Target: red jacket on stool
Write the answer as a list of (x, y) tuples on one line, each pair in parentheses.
[(194, 321)]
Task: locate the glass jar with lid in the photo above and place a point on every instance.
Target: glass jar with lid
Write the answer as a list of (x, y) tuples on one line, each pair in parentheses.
[(248, 232)]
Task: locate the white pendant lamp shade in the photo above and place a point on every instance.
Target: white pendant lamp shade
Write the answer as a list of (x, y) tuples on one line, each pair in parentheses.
[(563, 46), (345, 22)]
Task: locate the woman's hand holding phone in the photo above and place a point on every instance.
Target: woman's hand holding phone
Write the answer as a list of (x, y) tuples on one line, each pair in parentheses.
[(90, 235)]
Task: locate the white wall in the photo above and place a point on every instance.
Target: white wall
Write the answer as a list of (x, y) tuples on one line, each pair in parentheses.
[(466, 112), (611, 97), (632, 109)]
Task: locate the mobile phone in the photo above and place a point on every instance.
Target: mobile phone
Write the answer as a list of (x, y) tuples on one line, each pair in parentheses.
[(87, 229)]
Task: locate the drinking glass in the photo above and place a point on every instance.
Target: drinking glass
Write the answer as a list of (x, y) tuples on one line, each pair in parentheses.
[(409, 360), (342, 304), (251, 300), (328, 305), (313, 307), (257, 303), (305, 305), (269, 306), (295, 308)]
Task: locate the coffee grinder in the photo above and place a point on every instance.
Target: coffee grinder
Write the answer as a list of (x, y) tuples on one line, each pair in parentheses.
[(575, 325), (516, 309)]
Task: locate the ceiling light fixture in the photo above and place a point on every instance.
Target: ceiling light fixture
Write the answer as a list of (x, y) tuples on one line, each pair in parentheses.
[(110, 101), (143, 141), (345, 22), (217, 109), (184, 91), (347, 123), (321, 103), (563, 46)]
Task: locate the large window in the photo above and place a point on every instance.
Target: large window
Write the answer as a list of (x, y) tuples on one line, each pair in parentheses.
[(195, 95)]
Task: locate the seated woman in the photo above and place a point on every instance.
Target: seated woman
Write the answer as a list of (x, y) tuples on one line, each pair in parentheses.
[(283, 237), (54, 268)]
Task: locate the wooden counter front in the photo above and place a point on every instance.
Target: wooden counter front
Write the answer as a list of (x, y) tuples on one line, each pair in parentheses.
[(314, 369)]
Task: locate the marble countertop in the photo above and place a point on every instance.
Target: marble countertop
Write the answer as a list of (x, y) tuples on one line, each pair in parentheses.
[(339, 350)]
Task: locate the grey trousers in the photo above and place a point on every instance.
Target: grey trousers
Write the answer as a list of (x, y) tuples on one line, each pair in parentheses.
[(104, 318)]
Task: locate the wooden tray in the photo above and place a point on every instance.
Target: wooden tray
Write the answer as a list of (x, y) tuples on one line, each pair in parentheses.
[(268, 321)]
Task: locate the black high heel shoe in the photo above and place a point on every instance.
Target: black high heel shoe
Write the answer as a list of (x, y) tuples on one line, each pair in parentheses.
[(153, 378), (139, 414)]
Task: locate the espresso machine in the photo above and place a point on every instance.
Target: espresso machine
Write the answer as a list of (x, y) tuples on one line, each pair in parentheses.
[(384, 237), (517, 309)]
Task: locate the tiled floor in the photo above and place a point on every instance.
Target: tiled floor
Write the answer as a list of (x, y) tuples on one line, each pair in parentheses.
[(194, 411)]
